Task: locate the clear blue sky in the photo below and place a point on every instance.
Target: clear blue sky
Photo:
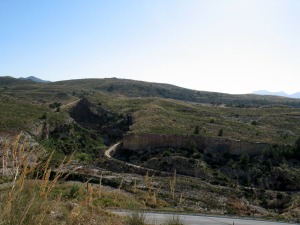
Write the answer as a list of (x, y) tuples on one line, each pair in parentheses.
[(233, 46)]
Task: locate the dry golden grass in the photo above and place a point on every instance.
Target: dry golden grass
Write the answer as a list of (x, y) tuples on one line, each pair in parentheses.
[(30, 200)]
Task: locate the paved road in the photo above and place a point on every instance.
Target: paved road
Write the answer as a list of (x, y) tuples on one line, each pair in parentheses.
[(161, 218)]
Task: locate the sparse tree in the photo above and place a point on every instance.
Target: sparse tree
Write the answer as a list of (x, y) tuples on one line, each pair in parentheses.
[(192, 148), (44, 116), (297, 148), (197, 130), (244, 160), (220, 132)]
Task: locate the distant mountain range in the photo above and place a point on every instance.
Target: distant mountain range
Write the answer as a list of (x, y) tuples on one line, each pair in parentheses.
[(280, 93), (34, 79)]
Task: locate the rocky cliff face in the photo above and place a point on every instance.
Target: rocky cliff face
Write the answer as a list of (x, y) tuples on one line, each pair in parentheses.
[(216, 159), (109, 124), (15, 143), (43, 130), (214, 146)]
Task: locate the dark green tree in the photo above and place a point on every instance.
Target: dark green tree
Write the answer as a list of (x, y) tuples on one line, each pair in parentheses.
[(297, 148), (197, 130), (220, 132), (192, 148), (44, 116), (245, 160)]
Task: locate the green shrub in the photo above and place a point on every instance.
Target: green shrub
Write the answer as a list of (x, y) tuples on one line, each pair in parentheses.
[(166, 154), (254, 123), (244, 160), (197, 130), (174, 220), (136, 218), (44, 116), (82, 156), (220, 132), (74, 191)]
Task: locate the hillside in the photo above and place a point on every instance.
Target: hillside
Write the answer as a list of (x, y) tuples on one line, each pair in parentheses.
[(17, 115), (131, 88), (217, 143), (166, 116), (155, 112)]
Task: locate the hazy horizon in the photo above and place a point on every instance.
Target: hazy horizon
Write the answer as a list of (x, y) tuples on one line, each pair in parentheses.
[(228, 46)]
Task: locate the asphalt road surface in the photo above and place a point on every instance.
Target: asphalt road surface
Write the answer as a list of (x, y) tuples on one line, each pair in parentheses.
[(161, 218)]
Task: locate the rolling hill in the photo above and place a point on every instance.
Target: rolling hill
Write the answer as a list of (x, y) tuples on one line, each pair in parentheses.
[(217, 143), (167, 109), (138, 89)]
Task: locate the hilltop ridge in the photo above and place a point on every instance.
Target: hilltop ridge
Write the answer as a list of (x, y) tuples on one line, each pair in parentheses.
[(141, 89), (35, 79)]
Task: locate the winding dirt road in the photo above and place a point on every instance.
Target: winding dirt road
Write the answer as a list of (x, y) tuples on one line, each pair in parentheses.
[(113, 148)]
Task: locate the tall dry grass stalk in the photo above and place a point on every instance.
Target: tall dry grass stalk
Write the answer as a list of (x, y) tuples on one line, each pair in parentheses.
[(172, 185), (134, 187), (89, 194), (15, 202), (151, 196), (181, 199), (120, 186), (4, 159), (149, 184), (34, 195), (155, 196), (118, 192), (100, 188), (24, 201)]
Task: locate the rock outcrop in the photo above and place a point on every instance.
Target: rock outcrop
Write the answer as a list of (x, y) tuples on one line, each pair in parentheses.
[(109, 124), (23, 146), (214, 146)]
